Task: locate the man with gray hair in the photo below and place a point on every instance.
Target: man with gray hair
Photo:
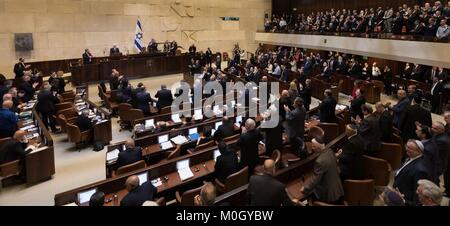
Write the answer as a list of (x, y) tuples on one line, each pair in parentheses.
[(429, 193), (8, 120), (46, 106), (249, 145), (412, 170), (207, 195)]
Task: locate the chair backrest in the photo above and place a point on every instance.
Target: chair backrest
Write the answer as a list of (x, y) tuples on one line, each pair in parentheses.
[(233, 137), (376, 169), (205, 145), (315, 131), (166, 110), (319, 203), (187, 199), (124, 111), (2, 140), (398, 140), (131, 167), (134, 114), (332, 131), (73, 133), (63, 106), (9, 169), (62, 121), (101, 94), (237, 179), (69, 113), (359, 192), (392, 153), (276, 157)]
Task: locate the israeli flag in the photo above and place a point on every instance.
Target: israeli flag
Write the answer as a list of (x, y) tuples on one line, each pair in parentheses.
[(139, 36)]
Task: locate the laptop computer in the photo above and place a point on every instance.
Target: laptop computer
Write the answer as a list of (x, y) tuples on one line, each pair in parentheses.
[(193, 134)]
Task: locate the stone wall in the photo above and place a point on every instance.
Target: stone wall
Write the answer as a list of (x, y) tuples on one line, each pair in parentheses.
[(64, 28)]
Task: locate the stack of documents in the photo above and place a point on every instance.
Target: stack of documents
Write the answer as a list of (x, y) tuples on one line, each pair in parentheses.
[(179, 140), (112, 156)]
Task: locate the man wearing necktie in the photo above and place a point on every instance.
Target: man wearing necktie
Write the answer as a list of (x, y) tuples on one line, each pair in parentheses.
[(436, 91), (412, 170)]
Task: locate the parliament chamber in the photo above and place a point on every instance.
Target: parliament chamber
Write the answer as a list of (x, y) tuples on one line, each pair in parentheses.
[(225, 103)]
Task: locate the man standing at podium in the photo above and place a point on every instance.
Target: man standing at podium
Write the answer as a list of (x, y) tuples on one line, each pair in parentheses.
[(87, 57), (114, 51)]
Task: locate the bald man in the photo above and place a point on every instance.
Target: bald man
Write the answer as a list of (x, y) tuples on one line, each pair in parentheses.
[(412, 171), (264, 190), (249, 143), (130, 155), (138, 194), (8, 120), (400, 107), (207, 195)]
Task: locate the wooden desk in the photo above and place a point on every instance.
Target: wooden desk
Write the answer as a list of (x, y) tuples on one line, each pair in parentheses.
[(134, 66)]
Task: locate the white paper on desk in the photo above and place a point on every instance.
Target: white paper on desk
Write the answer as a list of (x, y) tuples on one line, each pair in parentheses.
[(39, 149), (198, 117), (112, 155), (176, 118), (149, 123), (28, 127), (178, 140), (166, 145), (80, 103), (71, 204), (185, 173), (157, 182)]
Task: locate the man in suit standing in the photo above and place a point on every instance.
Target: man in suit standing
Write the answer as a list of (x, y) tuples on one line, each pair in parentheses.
[(165, 97), (225, 130), (277, 71), (413, 113), (83, 122), (385, 122), (356, 104), (8, 120), (114, 51), (442, 142), (46, 106), (412, 171), (264, 190), (249, 145), (143, 99), (370, 131), (130, 155), (87, 57), (447, 122), (430, 152), (401, 105), (20, 68), (306, 94), (138, 194), (436, 93), (284, 74), (295, 125), (27, 88), (226, 163), (209, 56), (328, 108), (192, 50), (114, 81), (350, 156), (325, 184)]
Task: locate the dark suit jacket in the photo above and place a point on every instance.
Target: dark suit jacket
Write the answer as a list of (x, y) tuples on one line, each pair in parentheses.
[(325, 182), (284, 75), (12, 150), (264, 190), (284, 101), (143, 99), (295, 123), (225, 130), (28, 89), (385, 122), (18, 70), (248, 143), (398, 110), (431, 158), (165, 98), (84, 123), (370, 132), (129, 156), (306, 94), (406, 179), (355, 107), (412, 114), (350, 161), (58, 84), (139, 195), (226, 165), (114, 51), (87, 59), (328, 110), (442, 142), (273, 138), (114, 83), (46, 102)]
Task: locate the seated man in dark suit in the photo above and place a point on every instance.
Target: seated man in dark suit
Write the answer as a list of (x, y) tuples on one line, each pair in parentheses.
[(114, 51), (97, 199), (83, 121), (8, 120), (130, 155), (207, 195), (137, 194), (225, 130), (264, 190), (14, 149), (412, 171), (350, 156), (249, 143), (226, 163), (328, 108), (165, 98), (325, 184)]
